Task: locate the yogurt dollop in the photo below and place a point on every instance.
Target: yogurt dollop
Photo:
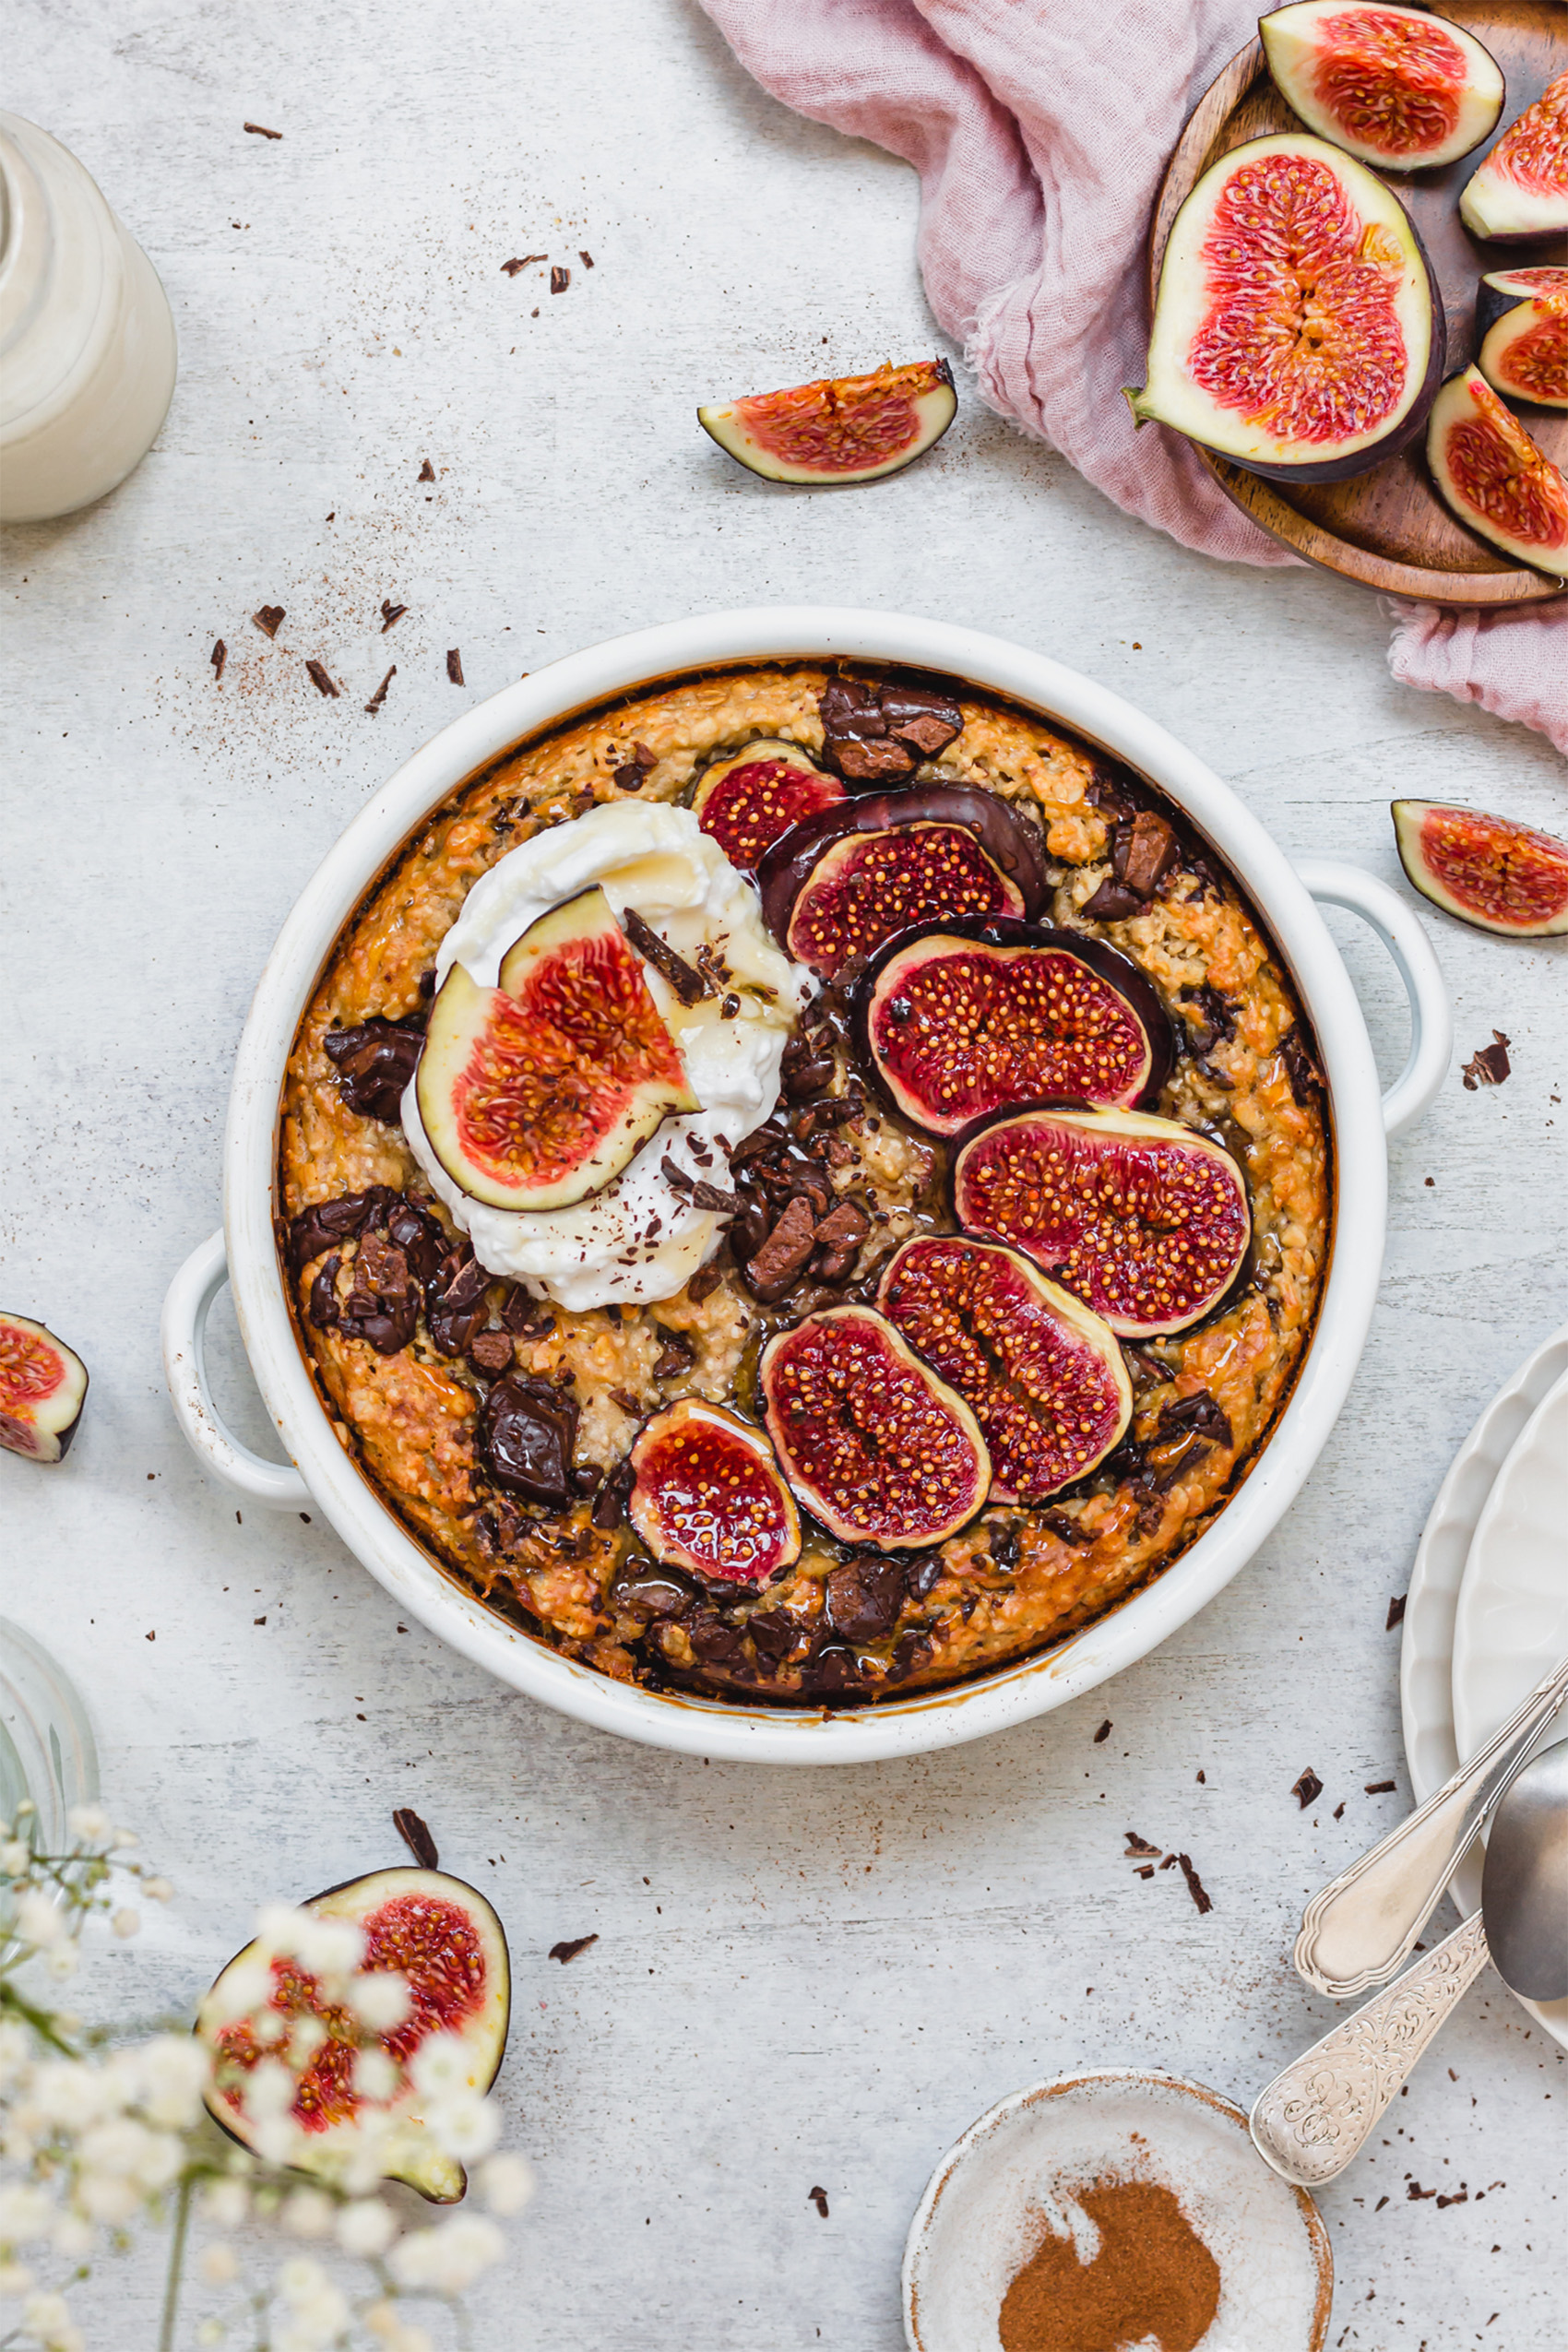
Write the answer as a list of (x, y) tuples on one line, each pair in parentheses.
[(642, 1238)]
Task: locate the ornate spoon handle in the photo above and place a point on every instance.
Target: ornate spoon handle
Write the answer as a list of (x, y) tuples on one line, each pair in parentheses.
[(1358, 1929), (1311, 2119)]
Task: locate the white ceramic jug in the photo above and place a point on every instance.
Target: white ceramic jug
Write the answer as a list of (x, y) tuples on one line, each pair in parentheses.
[(87, 338)]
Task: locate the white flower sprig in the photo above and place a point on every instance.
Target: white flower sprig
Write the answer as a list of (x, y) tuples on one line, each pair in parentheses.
[(100, 2131)]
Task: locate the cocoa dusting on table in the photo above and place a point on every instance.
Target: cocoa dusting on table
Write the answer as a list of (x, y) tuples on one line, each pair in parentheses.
[(416, 1836), (1488, 1065), (1152, 2277)]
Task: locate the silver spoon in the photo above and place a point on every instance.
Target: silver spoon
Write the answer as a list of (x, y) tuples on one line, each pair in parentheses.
[(1312, 2119)]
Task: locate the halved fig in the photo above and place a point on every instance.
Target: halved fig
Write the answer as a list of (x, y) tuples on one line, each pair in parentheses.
[(1144, 1219), (1494, 478), (42, 1390), (444, 1940), (1042, 1372), (841, 429), (873, 1442), (1499, 289), (1520, 189), (841, 883), (1400, 89), (1487, 870), (1524, 352), (707, 1495), (746, 802), (1296, 329), (964, 1019), (535, 1093)]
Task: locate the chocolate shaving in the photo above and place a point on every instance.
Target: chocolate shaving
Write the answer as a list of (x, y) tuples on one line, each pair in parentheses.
[(1488, 1065), (1136, 1845), (320, 680), (390, 612), (1197, 1414), (322, 1308), (522, 261), (1300, 1066), (586, 258), (1307, 1789), (610, 1503), (689, 985), (416, 1836), (1104, 1731), (262, 132), (426, 472), (783, 1254), (453, 666), (673, 1175), (1395, 1612), (560, 279), (706, 1195), (705, 1281), (1065, 1528), (1195, 1887), (373, 705), (217, 657), (268, 619), (818, 2197), (569, 1949)]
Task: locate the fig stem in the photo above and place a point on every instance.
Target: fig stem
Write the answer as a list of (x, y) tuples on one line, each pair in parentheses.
[(176, 2267)]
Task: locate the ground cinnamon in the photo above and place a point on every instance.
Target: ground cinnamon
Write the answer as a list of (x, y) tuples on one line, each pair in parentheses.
[(1152, 2276)]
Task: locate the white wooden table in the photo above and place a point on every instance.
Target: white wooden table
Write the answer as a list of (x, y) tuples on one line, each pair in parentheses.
[(801, 1979)]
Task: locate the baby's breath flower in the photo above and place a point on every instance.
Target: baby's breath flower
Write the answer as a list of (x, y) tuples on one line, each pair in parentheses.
[(127, 1922), (308, 2214), (71, 2236), (14, 1857), (26, 2212), (449, 2258), (15, 2278), (62, 1961), (506, 2183), (466, 2125), (390, 2329), (158, 1890), (210, 2331), (90, 1826), (366, 2228), (441, 2064), (38, 1920), (226, 2203), (376, 2074), (218, 2264), (381, 2000), (48, 2318)]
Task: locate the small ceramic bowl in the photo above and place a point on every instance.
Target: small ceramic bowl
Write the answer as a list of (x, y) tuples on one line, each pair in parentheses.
[(1012, 2177)]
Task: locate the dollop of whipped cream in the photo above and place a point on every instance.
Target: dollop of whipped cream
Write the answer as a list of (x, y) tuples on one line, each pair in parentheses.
[(641, 1238)]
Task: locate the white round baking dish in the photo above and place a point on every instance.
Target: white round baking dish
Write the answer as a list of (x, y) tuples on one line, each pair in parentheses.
[(245, 1254)]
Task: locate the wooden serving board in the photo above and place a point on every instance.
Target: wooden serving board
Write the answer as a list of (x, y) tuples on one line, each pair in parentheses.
[(1388, 527)]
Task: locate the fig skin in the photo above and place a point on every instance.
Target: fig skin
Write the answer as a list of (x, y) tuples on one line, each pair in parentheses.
[(43, 1387), (1490, 871), (1136, 991), (1524, 349), (1519, 190), (860, 427), (414, 2157), (1307, 43), (739, 1554), (1129, 1293), (881, 1369), (1186, 304), (1015, 1346), (799, 785), (1473, 429), (1011, 845)]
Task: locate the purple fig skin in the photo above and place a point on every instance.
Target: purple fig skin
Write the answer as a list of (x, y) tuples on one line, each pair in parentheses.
[(1011, 845), (1135, 990)]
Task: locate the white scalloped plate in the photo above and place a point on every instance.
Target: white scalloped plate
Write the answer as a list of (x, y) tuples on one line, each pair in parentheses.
[(1426, 1663)]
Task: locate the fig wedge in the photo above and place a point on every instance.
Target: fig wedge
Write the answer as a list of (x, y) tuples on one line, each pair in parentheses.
[(43, 1389), (961, 1020), (841, 429), (1493, 477), (1043, 1375), (537, 1092), (1520, 188), (747, 802), (444, 1940), (1396, 87), (1296, 329), (1489, 871), (1524, 352), (841, 883), (873, 1442), (1502, 289), (1144, 1219), (707, 1495)]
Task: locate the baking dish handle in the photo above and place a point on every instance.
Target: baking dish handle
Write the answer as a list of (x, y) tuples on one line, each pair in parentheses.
[(1401, 930), (278, 1485)]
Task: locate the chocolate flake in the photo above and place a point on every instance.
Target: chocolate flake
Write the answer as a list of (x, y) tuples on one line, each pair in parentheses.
[(1488, 1065), (262, 132), (560, 279), (1379, 1787), (455, 666), (1104, 1731), (706, 1195), (1195, 1886), (569, 1949), (217, 657), (610, 1503), (427, 471), (1395, 1612), (1137, 1846), (320, 680), (1307, 1789), (373, 705), (784, 1253), (522, 261), (818, 2197), (586, 258), (705, 1281), (268, 619), (1300, 1066), (689, 985), (389, 614), (416, 1836)]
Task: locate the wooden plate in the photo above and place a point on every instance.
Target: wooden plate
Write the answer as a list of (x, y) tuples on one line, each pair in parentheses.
[(1388, 527)]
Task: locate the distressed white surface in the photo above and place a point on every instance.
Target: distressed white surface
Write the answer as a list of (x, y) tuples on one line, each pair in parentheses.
[(801, 1979)]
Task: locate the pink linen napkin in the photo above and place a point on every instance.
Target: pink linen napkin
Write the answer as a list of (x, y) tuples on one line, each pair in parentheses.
[(1040, 130)]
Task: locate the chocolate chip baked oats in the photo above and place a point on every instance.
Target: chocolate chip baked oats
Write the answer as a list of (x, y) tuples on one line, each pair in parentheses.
[(804, 1186)]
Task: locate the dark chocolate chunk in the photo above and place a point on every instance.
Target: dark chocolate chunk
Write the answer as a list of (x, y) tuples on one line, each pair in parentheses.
[(923, 1574), (570, 1947), (719, 1196), (1112, 903), (427, 471), (323, 1309), (661, 1593), (326, 1223), (1217, 1016), (491, 1352), (268, 619), (818, 2197), (1143, 853), (416, 1836), (374, 1061), (1488, 1065), (321, 679), (1307, 1789), (1395, 1612), (1198, 1413), (805, 1072), (1104, 1733), (1379, 1787), (523, 1314), (1300, 1066), (261, 131), (833, 1667), (838, 1238), (526, 1434), (586, 258), (1195, 1886), (864, 1595), (910, 1654), (705, 1281), (560, 279), (456, 1304), (689, 985), (373, 705), (453, 665), (889, 762), (610, 1503), (1004, 1542), (775, 1632), (1112, 793), (1065, 1528), (783, 1254), (217, 657), (713, 1640)]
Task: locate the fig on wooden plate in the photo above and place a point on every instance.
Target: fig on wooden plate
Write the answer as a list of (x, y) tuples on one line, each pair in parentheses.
[(871, 1440), (1144, 1219), (841, 883), (446, 1941), (1522, 317), (1493, 477), (1487, 870), (841, 429), (964, 1019), (746, 801), (1520, 188), (538, 1091), (1043, 1375), (1297, 329), (707, 1495), (42, 1390), (1398, 89)]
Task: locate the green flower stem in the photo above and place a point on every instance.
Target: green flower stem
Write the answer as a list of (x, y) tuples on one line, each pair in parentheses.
[(176, 2268)]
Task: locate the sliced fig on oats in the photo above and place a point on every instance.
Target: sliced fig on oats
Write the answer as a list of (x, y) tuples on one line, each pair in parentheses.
[(43, 1389), (961, 1020), (1144, 1219), (1520, 187), (537, 1092), (1522, 318), (1489, 871), (707, 1495), (749, 801), (444, 1941), (1492, 476), (880, 1448), (840, 429), (1043, 1373), (841, 883), (1397, 87)]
